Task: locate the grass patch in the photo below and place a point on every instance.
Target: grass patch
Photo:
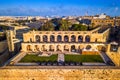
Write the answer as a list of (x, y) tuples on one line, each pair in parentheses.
[(83, 58), (36, 58)]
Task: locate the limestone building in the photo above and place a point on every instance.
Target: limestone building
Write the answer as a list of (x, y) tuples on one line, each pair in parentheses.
[(65, 41), (103, 22)]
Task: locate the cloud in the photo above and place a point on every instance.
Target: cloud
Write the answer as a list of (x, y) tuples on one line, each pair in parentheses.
[(59, 10)]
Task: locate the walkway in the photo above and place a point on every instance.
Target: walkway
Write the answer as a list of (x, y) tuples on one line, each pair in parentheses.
[(61, 58)]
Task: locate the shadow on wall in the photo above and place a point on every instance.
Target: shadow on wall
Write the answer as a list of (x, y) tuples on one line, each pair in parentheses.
[(4, 52)]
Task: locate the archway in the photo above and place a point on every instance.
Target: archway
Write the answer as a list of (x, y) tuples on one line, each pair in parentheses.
[(29, 48), (73, 49), (58, 48), (66, 48), (30, 39), (87, 38), (79, 49), (59, 38), (51, 48), (80, 39), (73, 38), (52, 38), (45, 38), (37, 38), (66, 38), (36, 47), (88, 47), (103, 49), (44, 48)]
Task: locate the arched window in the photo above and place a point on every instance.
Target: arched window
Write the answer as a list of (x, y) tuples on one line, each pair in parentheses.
[(36, 47), (80, 39), (73, 38), (73, 48), (37, 38), (58, 48), (66, 38), (59, 38), (87, 38), (52, 38), (88, 47), (29, 48), (45, 38), (66, 48), (44, 48), (51, 48)]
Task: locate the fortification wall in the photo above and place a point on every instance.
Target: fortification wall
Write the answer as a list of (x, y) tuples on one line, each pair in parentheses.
[(59, 74), (4, 53)]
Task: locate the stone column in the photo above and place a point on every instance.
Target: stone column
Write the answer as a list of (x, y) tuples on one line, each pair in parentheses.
[(55, 48), (69, 48), (83, 38), (62, 48), (55, 38), (108, 48), (32, 47), (76, 39), (48, 38), (69, 38), (39, 48), (62, 38), (41, 37), (47, 47)]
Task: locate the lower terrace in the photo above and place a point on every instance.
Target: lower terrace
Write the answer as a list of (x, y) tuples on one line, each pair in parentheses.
[(36, 59)]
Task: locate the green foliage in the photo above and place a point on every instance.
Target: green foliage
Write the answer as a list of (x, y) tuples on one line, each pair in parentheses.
[(36, 58), (83, 58), (48, 26), (79, 27), (64, 25)]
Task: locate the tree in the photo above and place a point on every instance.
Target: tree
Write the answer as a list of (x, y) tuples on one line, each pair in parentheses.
[(79, 27), (48, 26), (64, 25)]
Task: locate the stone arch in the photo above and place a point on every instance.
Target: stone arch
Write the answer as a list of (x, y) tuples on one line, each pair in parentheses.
[(44, 48), (80, 38), (79, 49), (36, 47), (52, 38), (59, 38), (88, 47), (29, 48), (66, 38), (103, 49), (58, 48), (73, 49), (30, 39), (73, 38), (45, 38), (51, 48), (66, 48), (87, 38), (37, 37)]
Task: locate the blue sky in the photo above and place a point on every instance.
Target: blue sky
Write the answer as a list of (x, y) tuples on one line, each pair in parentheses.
[(58, 7)]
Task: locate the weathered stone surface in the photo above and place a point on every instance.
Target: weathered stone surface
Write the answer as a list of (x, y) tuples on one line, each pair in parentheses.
[(59, 74)]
